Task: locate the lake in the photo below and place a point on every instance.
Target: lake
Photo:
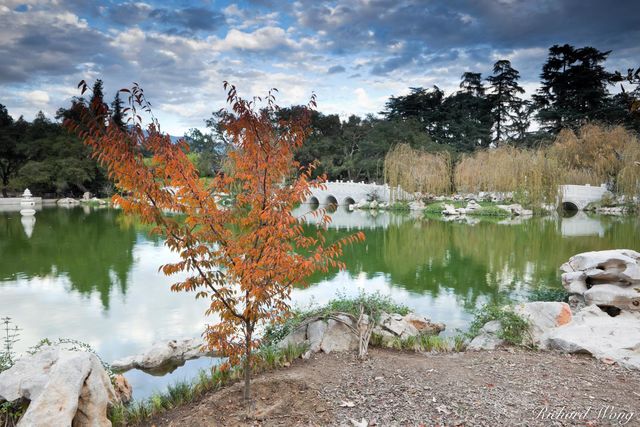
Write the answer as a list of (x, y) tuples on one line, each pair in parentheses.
[(92, 274)]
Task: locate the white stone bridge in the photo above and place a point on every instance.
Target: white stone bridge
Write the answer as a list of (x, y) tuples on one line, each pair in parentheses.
[(577, 197), (348, 192), (339, 193)]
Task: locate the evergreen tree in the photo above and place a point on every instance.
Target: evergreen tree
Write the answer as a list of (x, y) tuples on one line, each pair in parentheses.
[(472, 84), (96, 103), (116, 111), (504, 100), (574, 87)]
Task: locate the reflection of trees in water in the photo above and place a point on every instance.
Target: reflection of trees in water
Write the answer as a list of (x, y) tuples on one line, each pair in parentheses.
[(433, 256), (90, 249)]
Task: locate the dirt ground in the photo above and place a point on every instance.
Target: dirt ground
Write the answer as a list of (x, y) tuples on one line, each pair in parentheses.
[(489, 388)]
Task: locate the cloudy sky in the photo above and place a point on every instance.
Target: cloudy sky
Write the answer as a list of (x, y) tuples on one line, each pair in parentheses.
[(353, 54)]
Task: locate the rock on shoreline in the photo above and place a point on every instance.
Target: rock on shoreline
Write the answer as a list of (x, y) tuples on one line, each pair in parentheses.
[(338, 333), (163, 356), (64, 388), (604, 289)]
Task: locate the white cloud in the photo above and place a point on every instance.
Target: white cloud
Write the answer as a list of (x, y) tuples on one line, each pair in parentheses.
[(265, 38), (38, 97)]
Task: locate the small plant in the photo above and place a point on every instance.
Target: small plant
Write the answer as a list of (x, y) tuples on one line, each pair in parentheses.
[(548, 293), (489, 211), (10, 337), (514, 329), (373, 196), (400, 206)]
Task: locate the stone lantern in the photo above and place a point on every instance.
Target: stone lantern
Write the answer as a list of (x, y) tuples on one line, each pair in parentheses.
[(28, 212), (27, 204)]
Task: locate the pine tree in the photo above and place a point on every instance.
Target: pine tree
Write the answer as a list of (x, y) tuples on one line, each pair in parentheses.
[(116, 111), (96, 103), (503, 98), (574, 87)]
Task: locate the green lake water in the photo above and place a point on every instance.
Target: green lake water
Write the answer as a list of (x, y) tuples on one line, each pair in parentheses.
[(91, 275)]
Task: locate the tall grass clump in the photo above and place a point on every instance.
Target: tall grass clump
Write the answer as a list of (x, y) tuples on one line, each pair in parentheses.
[(600, 154), (417, 171), (532, 174)]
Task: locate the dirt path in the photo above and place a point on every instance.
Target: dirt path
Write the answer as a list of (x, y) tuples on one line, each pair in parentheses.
[(499, 388)]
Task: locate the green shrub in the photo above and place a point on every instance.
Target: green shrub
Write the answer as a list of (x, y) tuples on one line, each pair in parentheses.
[(548, 293), (489, 211), (514, 329)]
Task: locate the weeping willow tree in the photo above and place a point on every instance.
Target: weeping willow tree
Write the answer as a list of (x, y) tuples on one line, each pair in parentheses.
[(594, 155), (600, 154), (416, 171), (532, 174)]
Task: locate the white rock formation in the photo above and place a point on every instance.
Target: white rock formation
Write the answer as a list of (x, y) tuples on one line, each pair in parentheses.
[(449, 210), (64, 388), (163, 354), (487, 338), (67, 201), (604, 278), (338, 334), (594, 331), (542, 317)]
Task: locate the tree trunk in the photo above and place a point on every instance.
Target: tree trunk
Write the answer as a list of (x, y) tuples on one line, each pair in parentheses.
[(247, 364)]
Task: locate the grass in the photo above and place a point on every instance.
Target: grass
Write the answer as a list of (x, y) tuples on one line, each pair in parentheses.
[(489, 211), (514, 329), (401, 206), (486, 209), (180, 393), (423, 343), (548, 293), (372, 303)]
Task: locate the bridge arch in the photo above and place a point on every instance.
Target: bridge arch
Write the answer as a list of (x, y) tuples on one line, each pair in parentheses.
[(313, 200), (331, 200), (568, 205), (349, 201)]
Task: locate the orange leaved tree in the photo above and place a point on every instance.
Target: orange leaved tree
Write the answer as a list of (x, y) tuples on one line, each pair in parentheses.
[(238, 241)]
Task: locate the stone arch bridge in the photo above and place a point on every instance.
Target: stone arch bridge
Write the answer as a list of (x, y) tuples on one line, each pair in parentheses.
[(348, 192), (577, 197), (573, 197)]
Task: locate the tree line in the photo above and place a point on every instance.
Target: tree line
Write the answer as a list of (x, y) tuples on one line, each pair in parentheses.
[(575, 89), (43, 156), (492, 112)]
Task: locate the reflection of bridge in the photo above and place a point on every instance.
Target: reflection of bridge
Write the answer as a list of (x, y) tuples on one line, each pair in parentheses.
[(342, 218), (348, 192), (577, 197)]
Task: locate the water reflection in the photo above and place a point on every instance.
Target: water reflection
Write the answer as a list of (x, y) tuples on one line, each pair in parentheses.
[(93, 274), (92, 251)]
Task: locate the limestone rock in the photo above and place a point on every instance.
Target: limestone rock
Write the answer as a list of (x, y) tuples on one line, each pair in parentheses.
[(67, 201), (487, 339), (623, 297), (64, 387), (122, 388), (338, 336), (315, 333), (594, 331), (604, 278), (472, 205), (615, 259), (449, 210), (342, 335), (516, 209), (296, 337), (163, 354), (543, 316)]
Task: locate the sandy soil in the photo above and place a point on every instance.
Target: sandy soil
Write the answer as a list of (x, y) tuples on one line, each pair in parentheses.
[(492, 388)]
